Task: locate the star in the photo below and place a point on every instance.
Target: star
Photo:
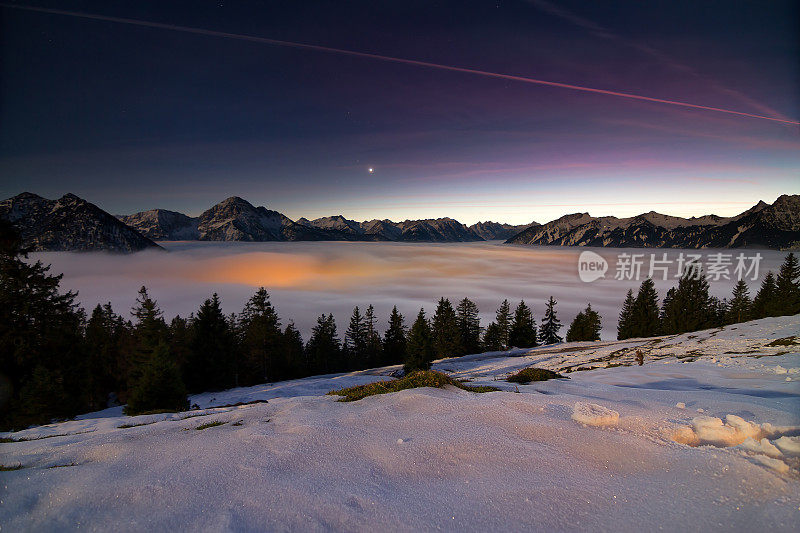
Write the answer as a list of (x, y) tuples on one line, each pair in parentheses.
[(371, 170)]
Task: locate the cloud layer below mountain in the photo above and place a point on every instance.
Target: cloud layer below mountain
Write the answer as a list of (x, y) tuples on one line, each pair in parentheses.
[(306, 279)]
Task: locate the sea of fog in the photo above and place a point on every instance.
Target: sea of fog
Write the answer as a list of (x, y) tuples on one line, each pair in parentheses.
[(305, 279)]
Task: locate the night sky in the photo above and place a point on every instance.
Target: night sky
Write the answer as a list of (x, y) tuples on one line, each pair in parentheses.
[(133, 118)]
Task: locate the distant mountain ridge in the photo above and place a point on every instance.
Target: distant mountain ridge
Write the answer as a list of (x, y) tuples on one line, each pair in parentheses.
[(71, 223), (762, 226), (235, 219)]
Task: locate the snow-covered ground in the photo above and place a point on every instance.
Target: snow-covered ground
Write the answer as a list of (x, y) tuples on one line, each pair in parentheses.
[(705, 436)]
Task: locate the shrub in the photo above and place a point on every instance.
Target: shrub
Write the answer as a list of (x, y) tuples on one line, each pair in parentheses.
[(420, 378), (209, 425), (527, 375)]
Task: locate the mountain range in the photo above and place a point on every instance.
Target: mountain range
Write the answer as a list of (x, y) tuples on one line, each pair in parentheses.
[(774, 226), (71, 223), (235, 219)]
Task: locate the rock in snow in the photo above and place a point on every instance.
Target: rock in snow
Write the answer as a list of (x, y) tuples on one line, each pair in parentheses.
[(592, 414)]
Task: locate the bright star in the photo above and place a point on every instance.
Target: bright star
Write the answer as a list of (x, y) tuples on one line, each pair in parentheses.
[(371, 170)]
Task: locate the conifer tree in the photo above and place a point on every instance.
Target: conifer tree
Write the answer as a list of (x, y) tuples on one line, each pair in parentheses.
[(625, 326), (374, 346), (645, 319), (394, 339), (445, 331), (261, 341), (787, 287), (42, 398), (155, 381), (355, 341), (105, 336), (493, 338), (585, 326), (689, 307), (523, 328), (323, 350), (593, 323), (212, 364), (719, 309), (469, 326), (419, 346), (740, 306), (294, 355), (180, 341), (765, 304), (548, 333), (503, 321), (39, 327), (160, 386)]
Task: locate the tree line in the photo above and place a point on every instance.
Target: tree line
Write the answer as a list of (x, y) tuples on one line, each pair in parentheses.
[(57, 360), (690, 307)]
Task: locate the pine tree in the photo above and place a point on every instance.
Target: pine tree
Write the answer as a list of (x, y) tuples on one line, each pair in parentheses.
[(261, 341), (39, 327), (294, 355), (155, 382), (374, 346), (690, 307), (323, 350), (765, 303), (522, 333), (419, 347), (394, 340), (787, 287), (719, 309), (105, 335), (740, 306), (503, 320), (445, 331), (160, 386), (548, 333), (355, 342), (212, 364), (180, 341), (593, 323), (469, 326), (493, 338), (585, 326), (645, 319), (42, 398), (625, 326)]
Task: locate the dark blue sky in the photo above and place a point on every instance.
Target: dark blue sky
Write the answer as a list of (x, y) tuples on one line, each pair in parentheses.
[(133, 118)]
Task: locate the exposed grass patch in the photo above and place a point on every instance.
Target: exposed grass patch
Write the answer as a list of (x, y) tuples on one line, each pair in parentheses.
[(420, 378), (187, 417), (209, 425), (239, 404), (527, 375), (27, 439), (785, 341), (126, 426), (63, 466), (157, 412), (5, 440), (4, 468)]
